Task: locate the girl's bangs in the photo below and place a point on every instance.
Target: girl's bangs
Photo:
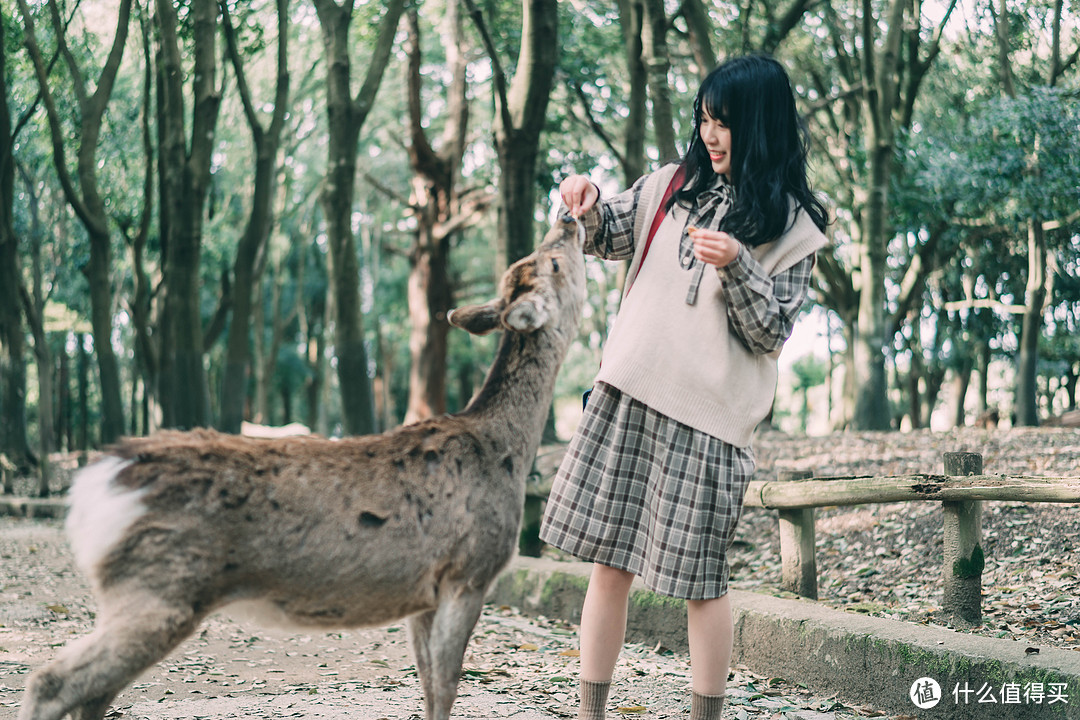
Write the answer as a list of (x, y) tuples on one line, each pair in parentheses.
[(714, 105)]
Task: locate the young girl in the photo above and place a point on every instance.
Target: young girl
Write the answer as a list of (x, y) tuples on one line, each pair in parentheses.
[(721, 248)]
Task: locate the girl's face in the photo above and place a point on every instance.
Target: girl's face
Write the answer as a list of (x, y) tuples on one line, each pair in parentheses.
[(717, 138)]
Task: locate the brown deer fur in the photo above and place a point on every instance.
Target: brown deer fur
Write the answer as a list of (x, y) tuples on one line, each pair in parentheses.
[(318, 533)]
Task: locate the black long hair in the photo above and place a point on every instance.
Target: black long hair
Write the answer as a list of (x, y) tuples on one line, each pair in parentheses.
[(752, 96)]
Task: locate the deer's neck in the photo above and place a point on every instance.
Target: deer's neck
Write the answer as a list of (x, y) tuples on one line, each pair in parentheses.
[(520, 385)]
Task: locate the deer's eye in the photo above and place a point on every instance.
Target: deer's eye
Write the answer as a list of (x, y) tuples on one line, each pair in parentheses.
[(554, 264)]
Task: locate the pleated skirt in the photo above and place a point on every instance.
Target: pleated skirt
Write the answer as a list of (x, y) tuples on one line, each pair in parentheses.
[(643, 493)]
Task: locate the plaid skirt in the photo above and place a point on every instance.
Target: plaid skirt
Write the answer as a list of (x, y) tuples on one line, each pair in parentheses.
[(643, 493)]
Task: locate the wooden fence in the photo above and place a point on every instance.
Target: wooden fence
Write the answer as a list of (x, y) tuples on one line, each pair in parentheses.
[(960, 489)]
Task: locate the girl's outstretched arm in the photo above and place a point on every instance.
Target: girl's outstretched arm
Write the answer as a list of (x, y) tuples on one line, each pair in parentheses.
[(609, 222)]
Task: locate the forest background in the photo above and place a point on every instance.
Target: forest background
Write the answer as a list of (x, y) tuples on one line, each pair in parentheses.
[(217, 212)]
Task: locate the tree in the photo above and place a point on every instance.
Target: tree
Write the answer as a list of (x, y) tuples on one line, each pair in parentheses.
[(879, 67), (184, 177), (267, 140), (441, 210), (83, 191), (520, 110), (33, 301), (13, 438), (346, 115), (1040, 155), (810, 371)]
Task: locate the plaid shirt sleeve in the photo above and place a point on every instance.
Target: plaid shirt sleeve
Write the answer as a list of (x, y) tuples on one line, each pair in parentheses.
[(762, 309), (609, 224)]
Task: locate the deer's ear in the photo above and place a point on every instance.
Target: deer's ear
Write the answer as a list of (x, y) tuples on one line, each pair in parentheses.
[(477, 319), (526, 314)]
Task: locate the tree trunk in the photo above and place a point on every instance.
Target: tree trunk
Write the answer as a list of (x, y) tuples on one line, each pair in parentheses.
[(871, 404), (519, 120), (961, 383), (429, 302), (234, 386), (85, 198), (82, 435), (13, 436), (436, 205), (1026, 399), (982, 394), (871, 411), (890, 72), (184, 180), (345, 118), (631, 16), (700, 29), (657, 64), (34, 306), (140, 305)]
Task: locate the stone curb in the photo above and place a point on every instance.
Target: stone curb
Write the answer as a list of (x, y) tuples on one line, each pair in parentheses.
[(863, 660), (32, 507)]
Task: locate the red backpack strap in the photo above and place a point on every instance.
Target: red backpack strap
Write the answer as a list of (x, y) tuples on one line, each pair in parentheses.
[(661, 213)]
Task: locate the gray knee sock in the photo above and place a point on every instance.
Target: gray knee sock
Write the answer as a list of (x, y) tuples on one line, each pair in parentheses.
[(706, 707), (593, 700)]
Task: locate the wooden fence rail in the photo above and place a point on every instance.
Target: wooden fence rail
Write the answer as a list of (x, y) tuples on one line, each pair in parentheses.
[(960, 489)]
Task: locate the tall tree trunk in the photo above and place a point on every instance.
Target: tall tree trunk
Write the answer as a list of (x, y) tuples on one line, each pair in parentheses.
[(85, 197), (13, 436), (34, 307), (961, 383), (140, 306), (520, 112), (889, 72), (1027, 399), (700, 29), (871, 409), (439, 212), (982, 367), (879, 73), (82, 370), (346, 115), (657, 65), (631, 17), (234, 386), (184, 180)]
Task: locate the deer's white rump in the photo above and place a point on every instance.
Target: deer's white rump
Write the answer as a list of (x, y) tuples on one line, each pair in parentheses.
[(413, 523), (100, 512)]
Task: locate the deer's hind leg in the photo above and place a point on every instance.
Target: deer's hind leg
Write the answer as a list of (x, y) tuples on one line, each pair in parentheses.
[(439, 638), (87, 674)]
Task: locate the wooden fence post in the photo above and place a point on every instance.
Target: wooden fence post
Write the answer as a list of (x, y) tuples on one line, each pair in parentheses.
[(964, 559), (798, 562)]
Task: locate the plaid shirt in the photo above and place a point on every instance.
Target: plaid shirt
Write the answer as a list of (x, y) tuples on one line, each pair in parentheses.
[(761, 309)]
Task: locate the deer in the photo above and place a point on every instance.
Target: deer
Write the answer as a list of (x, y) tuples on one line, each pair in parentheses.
[(314, 533)]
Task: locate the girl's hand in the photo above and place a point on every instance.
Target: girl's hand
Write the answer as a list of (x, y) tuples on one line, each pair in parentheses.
[(713, 247), (578, 194)]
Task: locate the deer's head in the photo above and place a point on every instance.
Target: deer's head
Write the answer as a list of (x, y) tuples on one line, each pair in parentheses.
[(543, 288)]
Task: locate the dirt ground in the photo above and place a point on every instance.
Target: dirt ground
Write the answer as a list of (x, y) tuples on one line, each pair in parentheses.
[(886, 560), (879, 559), (519, 667)]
